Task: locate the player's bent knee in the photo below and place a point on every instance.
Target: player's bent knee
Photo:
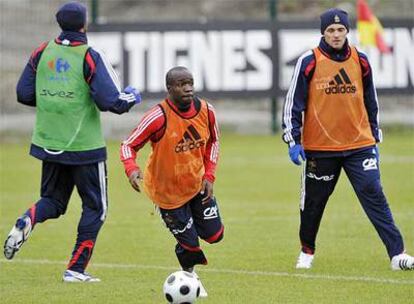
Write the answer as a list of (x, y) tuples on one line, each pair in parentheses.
[(55, 208), (221, 236), (216, 237)]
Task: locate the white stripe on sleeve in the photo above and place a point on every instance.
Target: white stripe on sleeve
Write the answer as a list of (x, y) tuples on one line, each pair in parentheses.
[(287, 111), (144, 124), (214, 152), (110, 69), (127, 97)]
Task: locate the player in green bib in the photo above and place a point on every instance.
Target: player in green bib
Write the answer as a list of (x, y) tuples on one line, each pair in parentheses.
[(67, 119), (69, 83)]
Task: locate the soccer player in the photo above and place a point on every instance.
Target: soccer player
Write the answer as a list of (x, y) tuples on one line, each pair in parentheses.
[(180, 172), (330, 121), (69, 83)]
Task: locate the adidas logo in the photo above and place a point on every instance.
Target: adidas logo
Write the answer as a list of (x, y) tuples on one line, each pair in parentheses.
[(341, 84), (191, 140)]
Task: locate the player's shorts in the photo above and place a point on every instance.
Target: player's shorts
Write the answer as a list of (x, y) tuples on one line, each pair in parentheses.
[(194, 220)]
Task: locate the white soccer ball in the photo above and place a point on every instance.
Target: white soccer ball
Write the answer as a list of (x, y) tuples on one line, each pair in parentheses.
[(181, 287)]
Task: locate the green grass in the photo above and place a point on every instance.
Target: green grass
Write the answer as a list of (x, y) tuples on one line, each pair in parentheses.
[(258, 191)]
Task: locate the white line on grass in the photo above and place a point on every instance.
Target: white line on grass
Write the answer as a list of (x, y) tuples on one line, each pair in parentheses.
[(231, 271)]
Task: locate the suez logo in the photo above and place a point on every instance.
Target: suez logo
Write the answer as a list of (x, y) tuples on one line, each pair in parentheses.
[(191, 140), (341, 84), (186, 227), (325, 178), (61, 94)]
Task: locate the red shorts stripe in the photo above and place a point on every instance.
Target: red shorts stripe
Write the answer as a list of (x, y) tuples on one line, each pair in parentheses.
[(189, 248), (216, 235)]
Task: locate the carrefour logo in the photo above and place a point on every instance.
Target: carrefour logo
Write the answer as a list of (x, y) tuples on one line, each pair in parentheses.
[(59, 65)]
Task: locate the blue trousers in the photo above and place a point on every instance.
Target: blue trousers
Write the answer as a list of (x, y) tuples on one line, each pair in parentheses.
[(362, 169), (58, 182)]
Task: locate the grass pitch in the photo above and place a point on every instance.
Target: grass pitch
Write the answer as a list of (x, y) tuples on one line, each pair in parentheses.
[(258, 192)]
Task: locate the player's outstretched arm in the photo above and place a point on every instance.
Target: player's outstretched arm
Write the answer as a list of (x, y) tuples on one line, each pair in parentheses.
[(105, 87)]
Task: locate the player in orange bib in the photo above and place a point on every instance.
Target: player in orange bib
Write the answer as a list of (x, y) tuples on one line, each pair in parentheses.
[(180, 171), (330, 121)]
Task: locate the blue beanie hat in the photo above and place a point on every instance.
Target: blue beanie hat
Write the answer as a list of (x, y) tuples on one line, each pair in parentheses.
[(334, 16), (71, 16)]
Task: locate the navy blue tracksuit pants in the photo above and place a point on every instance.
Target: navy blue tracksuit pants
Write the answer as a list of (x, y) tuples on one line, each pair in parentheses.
[(362, 169), (58, 182)]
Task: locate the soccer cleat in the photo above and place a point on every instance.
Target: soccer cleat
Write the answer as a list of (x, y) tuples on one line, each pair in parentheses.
[(17, 236), (71, 276), (402, 261), (203, 292), (304, 261)]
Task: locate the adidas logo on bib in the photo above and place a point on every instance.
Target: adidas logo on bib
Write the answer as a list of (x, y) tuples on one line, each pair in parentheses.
[(341, 84), (191, 140)]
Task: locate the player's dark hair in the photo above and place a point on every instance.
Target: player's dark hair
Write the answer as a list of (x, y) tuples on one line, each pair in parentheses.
[(169, 78)]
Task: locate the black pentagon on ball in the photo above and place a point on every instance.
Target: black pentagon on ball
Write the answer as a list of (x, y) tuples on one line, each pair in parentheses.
[(184, 290), (169, 298), (171, 279), (198, 291)]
